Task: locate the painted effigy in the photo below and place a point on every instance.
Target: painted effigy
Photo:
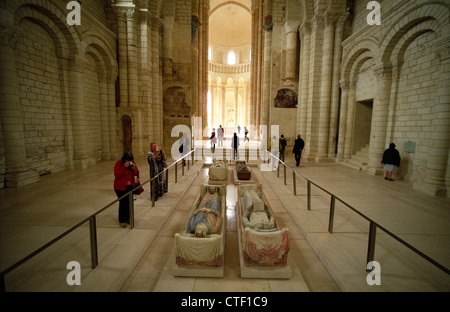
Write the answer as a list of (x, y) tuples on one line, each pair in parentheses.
[(203, 238), (262, 241)]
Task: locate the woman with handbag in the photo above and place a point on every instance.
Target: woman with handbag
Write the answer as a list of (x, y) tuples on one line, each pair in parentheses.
[(157, 160), (125, 171)]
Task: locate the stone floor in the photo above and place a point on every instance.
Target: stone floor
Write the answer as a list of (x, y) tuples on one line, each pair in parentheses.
[(139, 259)]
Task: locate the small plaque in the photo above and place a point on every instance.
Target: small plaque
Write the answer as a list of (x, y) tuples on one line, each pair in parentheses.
[(410, 147)]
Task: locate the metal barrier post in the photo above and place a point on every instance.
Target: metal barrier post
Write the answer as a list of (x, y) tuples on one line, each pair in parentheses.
[(93, 240), (188, 162), (167, 178), (371, 247), (308, 195), (278, 171), (176, 172), (182, 167), (131, 207), (330, 222), (284, 165), (294, 185), (153, 184)]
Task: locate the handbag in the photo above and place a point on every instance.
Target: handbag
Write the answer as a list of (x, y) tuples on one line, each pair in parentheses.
[(140, 190)]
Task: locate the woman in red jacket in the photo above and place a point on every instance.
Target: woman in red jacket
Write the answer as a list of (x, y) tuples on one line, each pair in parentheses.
[(124, 172)]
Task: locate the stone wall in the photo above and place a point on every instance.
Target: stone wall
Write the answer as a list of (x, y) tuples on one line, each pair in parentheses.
[(402, 62)]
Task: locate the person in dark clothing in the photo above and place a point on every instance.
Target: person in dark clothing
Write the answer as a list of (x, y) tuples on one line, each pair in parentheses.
[(235, 146), (298, 149), (283, 144), (391, 159), (125, 170)]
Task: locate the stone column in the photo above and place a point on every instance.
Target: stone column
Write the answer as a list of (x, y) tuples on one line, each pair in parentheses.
[(377, 144), (325, 87), (266, 98), (17, 173), (303, 90), (437, 161), (123, 11), (81, 157), (132, 59), (168, 45), (343, 119), (334, 109), (112, 116), (291, 50), (156, 108), (351, 94)]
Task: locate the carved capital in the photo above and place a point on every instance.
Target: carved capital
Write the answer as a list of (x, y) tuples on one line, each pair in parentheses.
[(443, 49), (304, 30), (156, 24), (124, 12), (8, 36), (77, 64), (383, 71), (268, 24), (317, 23)]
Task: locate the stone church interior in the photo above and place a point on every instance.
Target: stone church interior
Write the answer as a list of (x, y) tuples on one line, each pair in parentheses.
[(227, 206)]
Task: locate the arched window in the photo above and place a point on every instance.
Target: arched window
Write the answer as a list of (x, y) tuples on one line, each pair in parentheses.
[(209, 54), (231, 58)]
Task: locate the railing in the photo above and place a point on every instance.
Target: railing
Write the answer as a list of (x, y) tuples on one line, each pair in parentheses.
[(92, 219), (229, 69), (373, 225)]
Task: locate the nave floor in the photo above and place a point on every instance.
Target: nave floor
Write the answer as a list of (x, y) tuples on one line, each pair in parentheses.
[(35, 214)]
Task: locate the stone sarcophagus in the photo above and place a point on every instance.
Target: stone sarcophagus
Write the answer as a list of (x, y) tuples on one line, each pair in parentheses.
[(218, 172), (201, 242), (243, 171), (262, 243)]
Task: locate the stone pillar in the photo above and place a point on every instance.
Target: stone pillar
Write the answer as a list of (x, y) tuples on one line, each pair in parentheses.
[(377, 144), (350, 120), (81, 157), (157, 111), (132, 59), (325, 87), (123, 11), (17, 173), (334, 109), (291, 50), (343, 120), (168, 45), (266, 98), (303, 90), (438, 154), (112, 118)]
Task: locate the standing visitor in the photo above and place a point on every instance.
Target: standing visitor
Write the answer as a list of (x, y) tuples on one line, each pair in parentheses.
[(125, 170), (391, 159), (298, 149), (220, 134), (157, 160), (213, 141), (246, 134), (235, 146), (283, 144)]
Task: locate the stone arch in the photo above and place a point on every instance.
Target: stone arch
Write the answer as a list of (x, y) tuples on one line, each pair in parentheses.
[(421, 18), (108, 57), (53, 20), (366, 45)]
